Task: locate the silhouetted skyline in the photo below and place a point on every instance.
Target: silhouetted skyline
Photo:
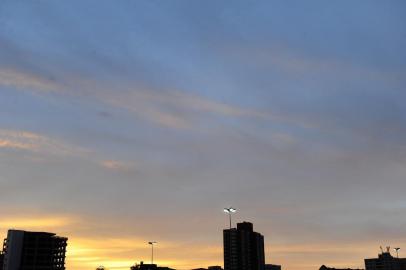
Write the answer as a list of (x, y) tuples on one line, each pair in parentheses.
[(243, 249)]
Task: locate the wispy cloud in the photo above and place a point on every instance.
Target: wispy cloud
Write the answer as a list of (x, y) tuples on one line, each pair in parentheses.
[(16, 145), (42, 146), (115, 165), (174, 108), (26, 81), (29, 141), (169, 108)]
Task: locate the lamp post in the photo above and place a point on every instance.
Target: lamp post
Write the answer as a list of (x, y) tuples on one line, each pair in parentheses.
[(229, 211), (152, 243), (397, 252)]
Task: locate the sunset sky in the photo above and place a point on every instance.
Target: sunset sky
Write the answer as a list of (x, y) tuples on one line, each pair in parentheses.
[(123, 122)]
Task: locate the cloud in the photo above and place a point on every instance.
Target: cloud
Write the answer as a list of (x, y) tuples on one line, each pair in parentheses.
[(44, 145), (25, 81), (172, 108), (115, 165), (33, 142), (169, 108), (16, 145), (295, 63)]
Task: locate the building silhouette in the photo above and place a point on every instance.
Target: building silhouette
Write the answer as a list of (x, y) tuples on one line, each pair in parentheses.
[(243, 248), (272, 267), (210, 268), (323, 267), (149, 266), (34, 251), (1, 260), (385, 261)]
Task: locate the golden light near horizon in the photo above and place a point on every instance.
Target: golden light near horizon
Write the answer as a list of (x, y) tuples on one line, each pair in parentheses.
[(36, 223), (116, 253), (122, 252)]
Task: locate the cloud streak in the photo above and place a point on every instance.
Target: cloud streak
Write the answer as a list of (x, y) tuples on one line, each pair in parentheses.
[(23, 81), (169, 108), (24, 140), (115, 165)]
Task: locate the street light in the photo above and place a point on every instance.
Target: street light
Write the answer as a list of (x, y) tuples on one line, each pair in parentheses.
[(152, 243), (229, 211), (397, 252)]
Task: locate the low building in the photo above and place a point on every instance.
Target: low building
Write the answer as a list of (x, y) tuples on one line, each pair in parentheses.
[(385, 261), (148, 266), (272, 267), (323, 267), (210, 268)]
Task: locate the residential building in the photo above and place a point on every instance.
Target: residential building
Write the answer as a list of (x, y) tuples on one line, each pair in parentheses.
[(34, 251), (243, 248)]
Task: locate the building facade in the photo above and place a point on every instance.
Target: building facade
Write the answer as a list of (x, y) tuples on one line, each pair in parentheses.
[(34, 251), (243, 248), (385, 261)]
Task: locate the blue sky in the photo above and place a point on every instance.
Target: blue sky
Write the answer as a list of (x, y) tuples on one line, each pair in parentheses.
[(136, 120)]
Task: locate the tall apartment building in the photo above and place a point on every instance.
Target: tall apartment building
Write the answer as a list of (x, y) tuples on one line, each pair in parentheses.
[(243, 248), (34, 251)]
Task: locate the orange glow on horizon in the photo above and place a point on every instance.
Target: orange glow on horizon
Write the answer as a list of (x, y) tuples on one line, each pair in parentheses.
[(87, 251), (26, 223)]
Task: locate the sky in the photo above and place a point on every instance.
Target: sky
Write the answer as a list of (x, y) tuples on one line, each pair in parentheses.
[(123, 122)]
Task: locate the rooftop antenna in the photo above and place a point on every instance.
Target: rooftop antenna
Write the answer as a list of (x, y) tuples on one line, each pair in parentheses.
[(397, 252)]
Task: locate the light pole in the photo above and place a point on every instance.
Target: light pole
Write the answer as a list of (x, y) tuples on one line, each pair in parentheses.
[(152, 243), (397, 252), (229, 211)]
